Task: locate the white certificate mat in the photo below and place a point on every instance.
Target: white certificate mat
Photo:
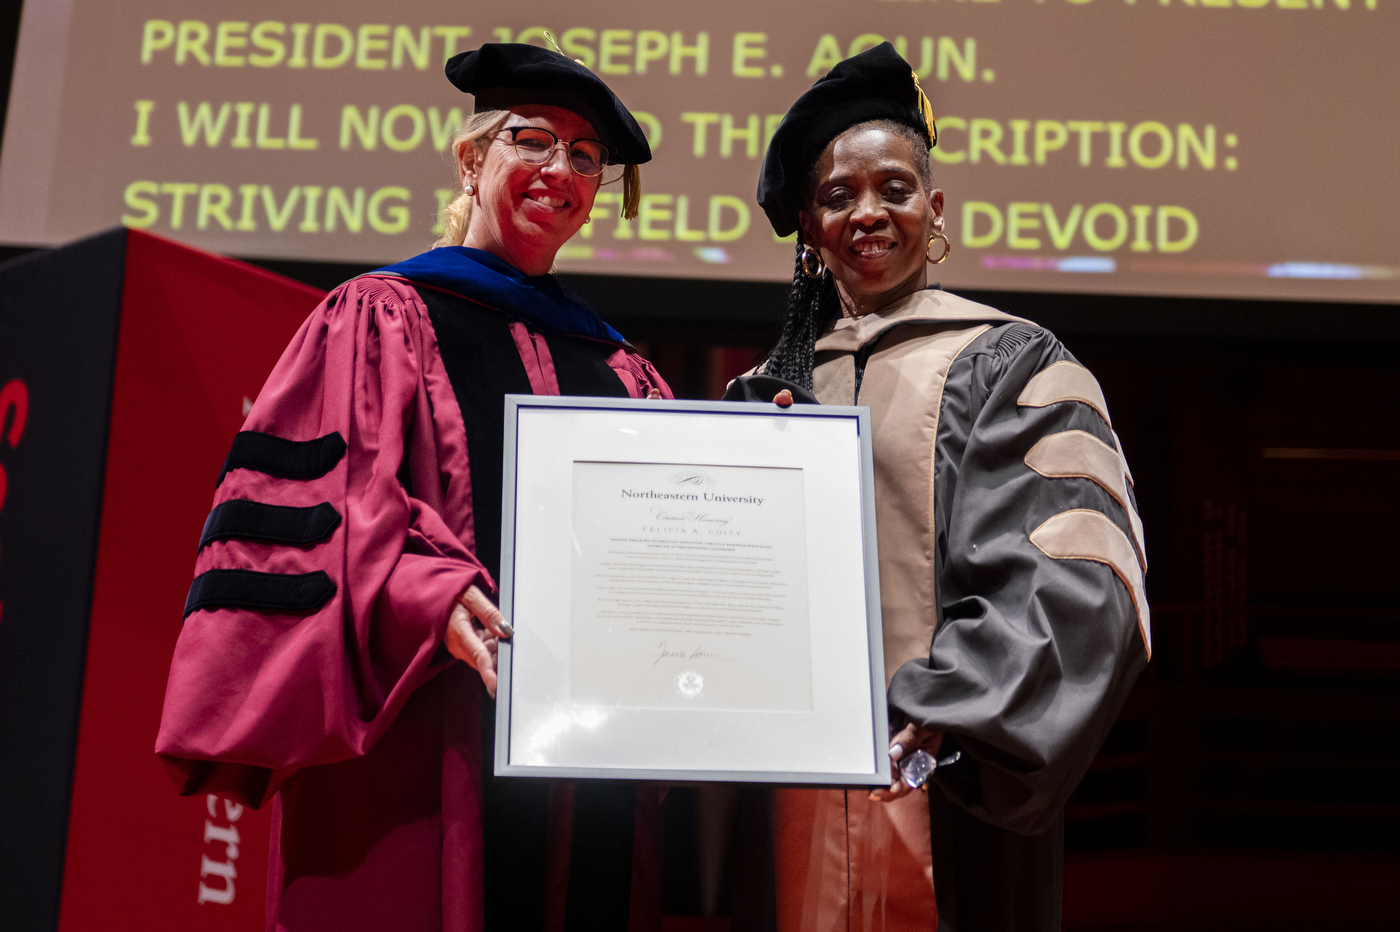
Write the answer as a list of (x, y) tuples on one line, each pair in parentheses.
[(691, 581), (694, 594)]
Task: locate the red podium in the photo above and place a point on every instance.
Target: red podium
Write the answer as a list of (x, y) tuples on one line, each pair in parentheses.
[(127, 364)]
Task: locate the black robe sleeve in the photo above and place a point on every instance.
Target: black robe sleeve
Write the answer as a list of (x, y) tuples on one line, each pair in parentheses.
[(1042, 625)]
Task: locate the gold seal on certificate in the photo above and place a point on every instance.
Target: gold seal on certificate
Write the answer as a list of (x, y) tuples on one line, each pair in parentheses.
[(694, 594)]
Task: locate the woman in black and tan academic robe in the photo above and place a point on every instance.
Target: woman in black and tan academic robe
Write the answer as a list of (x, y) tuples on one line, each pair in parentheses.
[(1011, 554), (349, 562)]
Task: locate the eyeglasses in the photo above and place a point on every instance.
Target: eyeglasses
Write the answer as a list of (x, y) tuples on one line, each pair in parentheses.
[(536, 146)]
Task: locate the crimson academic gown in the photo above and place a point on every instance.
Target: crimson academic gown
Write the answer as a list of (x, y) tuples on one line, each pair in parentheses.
[(361, 497)]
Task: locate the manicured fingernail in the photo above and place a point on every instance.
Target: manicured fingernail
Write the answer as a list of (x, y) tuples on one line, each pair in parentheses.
[(506, 629), (896, 751)]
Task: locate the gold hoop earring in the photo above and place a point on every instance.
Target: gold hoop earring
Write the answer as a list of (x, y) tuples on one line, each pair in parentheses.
[(470, 189), (809, 254), (947, 248)]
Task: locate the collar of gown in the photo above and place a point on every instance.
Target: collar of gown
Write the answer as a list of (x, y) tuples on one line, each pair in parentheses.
[(930, 306), (483, 277)]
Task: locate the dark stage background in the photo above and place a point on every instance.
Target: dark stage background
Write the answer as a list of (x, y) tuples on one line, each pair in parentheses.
[(1251, 779)]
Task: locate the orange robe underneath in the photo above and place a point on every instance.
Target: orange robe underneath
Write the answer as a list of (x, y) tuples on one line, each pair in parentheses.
[(846, 864)]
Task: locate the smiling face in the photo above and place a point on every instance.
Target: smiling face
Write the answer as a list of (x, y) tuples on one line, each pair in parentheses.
[(871, 215), (525, 212)]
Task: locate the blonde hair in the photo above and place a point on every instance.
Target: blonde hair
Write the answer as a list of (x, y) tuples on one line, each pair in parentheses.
[(476, 130)]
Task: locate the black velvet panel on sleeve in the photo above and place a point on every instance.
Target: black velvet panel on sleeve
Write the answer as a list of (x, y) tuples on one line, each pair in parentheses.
[(240, 519), (270, 593), (285, 459)]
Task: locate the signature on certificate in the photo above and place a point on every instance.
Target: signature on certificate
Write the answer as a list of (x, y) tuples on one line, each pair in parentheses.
[(664, 652)]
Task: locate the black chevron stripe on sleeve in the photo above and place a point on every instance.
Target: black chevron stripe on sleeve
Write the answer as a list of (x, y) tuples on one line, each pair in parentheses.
[(271, 593), (285, 459), (241, 519)]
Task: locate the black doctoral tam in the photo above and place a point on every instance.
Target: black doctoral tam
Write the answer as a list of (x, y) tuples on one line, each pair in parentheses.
[(877, 84), (503, 75)]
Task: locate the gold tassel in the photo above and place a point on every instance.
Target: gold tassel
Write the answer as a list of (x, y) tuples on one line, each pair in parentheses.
[(549, 37), (930, 127), (631, 191)]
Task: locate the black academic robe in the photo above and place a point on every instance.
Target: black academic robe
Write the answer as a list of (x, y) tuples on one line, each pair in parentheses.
[(1011, 578)]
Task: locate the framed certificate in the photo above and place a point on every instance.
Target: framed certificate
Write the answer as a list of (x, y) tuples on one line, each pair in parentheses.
[(694, 591)]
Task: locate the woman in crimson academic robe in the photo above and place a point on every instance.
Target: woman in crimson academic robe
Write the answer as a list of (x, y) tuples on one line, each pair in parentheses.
[(349, 562)]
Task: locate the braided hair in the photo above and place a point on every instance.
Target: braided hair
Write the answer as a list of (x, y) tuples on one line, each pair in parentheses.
[(812, 306), (813, 303)]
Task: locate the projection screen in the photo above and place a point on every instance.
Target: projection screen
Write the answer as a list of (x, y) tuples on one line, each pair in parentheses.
[(1243, 148)]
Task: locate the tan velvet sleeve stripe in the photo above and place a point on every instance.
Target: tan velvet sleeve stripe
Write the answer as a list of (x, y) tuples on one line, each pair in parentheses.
[(1064, 381), (1078, 454), (1084, 534)]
